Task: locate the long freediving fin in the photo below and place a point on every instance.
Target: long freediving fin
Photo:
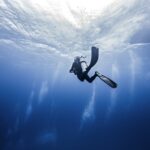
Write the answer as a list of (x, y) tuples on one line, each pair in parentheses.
[(107, 80), (94, 57)]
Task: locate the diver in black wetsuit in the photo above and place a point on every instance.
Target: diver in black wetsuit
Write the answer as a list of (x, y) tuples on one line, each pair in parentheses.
[(78, 71), (83, 75)]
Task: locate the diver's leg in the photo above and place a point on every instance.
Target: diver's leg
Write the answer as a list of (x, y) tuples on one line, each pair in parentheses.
[(88, 69), (90, 79)]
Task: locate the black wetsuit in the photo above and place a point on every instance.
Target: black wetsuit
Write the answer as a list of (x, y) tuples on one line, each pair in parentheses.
[(82, 75)]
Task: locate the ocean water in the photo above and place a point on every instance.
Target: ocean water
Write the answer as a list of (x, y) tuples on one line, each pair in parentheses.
[(43, 106)]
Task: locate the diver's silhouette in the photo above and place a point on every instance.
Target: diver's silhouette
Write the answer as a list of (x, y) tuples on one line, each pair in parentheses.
[(83, 75), (78, 70)]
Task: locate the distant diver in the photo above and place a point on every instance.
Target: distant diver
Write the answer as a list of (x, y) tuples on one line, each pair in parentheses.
[(82, 75)]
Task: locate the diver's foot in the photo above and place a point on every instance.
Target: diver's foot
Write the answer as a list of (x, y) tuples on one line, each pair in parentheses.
[(98, 74)]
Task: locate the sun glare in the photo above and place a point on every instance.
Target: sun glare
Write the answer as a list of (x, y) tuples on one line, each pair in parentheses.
[(88, 5), (62, 8)]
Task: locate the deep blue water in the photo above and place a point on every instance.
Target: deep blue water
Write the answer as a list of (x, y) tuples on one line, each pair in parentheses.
[(118, 119)]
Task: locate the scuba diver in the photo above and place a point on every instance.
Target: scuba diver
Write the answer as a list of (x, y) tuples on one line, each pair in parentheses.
[(82, 75), (78, 70)]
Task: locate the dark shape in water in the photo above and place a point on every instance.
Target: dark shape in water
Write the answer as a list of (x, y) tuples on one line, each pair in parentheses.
[(83, 75)]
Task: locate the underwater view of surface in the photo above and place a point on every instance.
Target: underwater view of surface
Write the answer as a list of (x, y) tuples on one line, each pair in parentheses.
[(43, 106)]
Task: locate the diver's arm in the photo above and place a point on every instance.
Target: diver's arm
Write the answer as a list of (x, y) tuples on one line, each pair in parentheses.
[(72, 68)]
